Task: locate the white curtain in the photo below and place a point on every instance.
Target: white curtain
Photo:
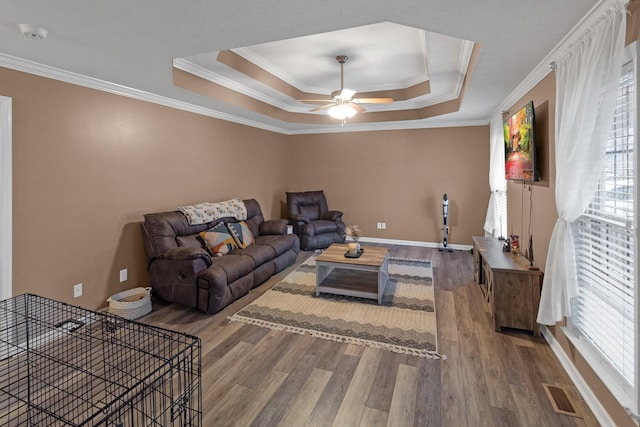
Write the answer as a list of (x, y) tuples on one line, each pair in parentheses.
[(496, 174), (586, 87)]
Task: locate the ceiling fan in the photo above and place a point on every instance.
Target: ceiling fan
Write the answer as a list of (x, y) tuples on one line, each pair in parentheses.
[(342, 105)]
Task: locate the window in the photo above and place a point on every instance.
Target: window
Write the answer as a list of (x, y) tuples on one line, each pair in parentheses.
[(604, 314)]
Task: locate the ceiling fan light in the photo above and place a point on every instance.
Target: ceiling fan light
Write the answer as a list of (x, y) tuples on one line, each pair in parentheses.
[(342, 111)]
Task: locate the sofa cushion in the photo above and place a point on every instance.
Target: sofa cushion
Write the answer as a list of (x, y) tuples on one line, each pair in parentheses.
[(279, 243), (259, 253), (241, 234), (321, 226), (218, 240)]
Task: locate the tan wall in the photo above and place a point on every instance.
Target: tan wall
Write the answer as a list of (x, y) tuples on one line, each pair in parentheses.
[(399, 177), (543, 218), (87, 165)]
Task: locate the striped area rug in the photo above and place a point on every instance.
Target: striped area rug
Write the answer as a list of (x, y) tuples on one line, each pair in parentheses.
[(405, 322)]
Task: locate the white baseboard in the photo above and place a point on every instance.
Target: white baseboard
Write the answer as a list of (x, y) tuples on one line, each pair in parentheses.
[(414, 243), (592, 401)]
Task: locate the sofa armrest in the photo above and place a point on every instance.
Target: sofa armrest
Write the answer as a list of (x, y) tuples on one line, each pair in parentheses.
[(297, 218), (185, 253), (332, 215), (274, 226)]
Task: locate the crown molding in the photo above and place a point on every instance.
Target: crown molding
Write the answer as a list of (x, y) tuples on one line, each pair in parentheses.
[(463, 65), (268, 66), (47, 71), (27, 66), (534, 77), (425, 43), (544, 67), (382, 126), (415, 103), (206, 74), (196, 70)]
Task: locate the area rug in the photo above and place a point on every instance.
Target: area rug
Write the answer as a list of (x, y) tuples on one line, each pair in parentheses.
[(405, 322)]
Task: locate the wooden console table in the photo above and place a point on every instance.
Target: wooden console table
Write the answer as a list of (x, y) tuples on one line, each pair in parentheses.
[(511, 291)]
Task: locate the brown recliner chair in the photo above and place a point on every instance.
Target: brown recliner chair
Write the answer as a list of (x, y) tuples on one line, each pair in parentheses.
[(316, 226)]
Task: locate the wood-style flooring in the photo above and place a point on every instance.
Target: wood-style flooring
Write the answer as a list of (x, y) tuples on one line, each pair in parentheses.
[(253, 376)]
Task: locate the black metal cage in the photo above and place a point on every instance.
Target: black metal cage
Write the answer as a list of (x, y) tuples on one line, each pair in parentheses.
[(62, 365)]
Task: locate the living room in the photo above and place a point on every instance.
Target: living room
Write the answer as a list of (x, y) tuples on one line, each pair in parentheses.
[(88, 164)]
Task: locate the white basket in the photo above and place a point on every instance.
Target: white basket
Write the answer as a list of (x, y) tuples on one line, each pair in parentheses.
[(131, 304)]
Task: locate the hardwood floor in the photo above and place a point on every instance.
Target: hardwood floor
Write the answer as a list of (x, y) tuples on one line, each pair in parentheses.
[(253, 376)]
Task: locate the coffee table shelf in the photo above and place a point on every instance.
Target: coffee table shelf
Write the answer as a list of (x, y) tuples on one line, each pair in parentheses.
[(374, 260)]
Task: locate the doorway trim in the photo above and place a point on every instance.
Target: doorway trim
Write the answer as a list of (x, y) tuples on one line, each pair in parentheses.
[(6, 198)]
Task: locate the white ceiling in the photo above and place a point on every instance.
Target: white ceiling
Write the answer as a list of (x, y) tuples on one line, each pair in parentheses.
[(382, 56), (133, 44)]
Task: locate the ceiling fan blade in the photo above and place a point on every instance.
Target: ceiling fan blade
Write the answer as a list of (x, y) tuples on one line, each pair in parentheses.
[(323, 107), (374, 100), (357, 107), (344, 98), (346, 94)]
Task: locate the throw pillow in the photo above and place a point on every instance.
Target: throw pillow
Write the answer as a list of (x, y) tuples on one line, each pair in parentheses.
[(241, 233), (218, 240)]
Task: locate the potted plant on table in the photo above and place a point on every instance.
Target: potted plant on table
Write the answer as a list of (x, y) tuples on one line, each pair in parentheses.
[(355, 233)]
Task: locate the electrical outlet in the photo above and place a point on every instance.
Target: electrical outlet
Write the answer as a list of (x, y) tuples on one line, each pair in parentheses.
[(77, 290), (379, 225), (384, 225), (123, 275)]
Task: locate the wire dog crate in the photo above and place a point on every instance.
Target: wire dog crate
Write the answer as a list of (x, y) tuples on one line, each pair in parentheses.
[(62, 365)]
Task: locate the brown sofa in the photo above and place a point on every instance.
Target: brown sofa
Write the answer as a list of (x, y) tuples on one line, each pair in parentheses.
[(181, 270)]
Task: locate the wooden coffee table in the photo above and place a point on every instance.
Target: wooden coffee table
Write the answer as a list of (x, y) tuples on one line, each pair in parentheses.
[(373, 259)]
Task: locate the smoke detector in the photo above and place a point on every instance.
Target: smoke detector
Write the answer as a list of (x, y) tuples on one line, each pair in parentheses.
[(33, 31)]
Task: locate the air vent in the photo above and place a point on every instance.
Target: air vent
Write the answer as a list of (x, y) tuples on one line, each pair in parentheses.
[(560, 400)]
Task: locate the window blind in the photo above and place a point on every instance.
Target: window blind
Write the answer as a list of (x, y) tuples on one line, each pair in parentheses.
[(604, 311)]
